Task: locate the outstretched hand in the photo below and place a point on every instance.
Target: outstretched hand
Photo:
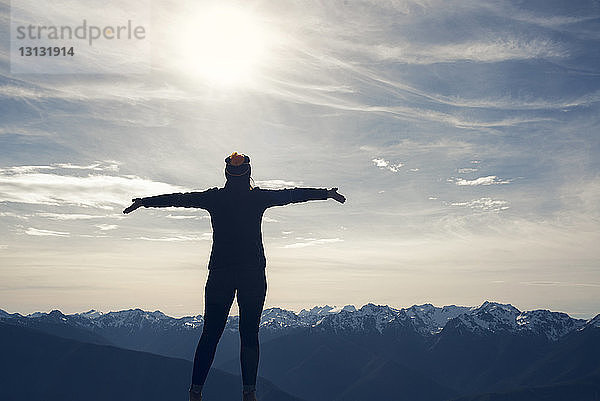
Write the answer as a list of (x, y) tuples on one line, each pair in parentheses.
[(137, 202), (333, 194)]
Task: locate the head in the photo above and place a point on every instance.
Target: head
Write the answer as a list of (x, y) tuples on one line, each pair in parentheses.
[(237, 171)]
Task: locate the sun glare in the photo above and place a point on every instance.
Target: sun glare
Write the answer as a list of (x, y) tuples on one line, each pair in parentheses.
[(223, 45)]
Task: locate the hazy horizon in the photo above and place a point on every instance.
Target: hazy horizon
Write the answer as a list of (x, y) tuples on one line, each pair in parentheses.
[(234, 311)]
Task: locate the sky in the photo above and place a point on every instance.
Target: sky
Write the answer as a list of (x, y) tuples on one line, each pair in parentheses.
[(464, 134)]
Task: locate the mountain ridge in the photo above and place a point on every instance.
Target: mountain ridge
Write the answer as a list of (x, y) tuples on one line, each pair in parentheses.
[(426, 319)]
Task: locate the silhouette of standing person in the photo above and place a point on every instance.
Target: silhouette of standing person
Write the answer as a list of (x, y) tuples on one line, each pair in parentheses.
[(237, 261)]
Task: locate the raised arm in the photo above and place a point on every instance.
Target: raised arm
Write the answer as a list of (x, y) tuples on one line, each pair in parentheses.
[(296, 195), (201, 200)]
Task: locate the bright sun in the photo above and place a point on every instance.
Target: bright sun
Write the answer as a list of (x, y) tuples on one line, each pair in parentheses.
[(223, 45)]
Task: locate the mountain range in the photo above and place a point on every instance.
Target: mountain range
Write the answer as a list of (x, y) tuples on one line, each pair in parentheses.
[(490, 352)]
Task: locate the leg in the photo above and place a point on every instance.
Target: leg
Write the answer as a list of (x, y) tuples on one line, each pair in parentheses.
[(218, 297), (251, 298)]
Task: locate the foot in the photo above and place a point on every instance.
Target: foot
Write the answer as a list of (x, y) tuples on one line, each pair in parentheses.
[(249, 396), (195, 396)]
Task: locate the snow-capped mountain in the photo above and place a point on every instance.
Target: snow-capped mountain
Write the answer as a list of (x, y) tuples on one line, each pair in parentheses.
[(426, 320), (594, 322), (131, 317), (130, 320), (553, 324), (369, 318), (490, 316), (313, 315), (6, 315), (278, 318), (499, 318), (91, 314)]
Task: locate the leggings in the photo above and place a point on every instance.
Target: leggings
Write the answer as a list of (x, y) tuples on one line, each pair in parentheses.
[(221, 286)]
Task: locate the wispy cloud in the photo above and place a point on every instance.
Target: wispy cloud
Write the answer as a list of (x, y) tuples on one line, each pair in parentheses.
[(485, 204), (49, 233), (15, 215), (386, 165), (558, 283), (489, 180), (413, 146), (185, 217), (552, 21), (411, 111), (25, 184), (23, 169), (467, 170), (110, 165), (179, 238), (75, 216), (312, 242), (278, 184), (481, 51), (107, 227)]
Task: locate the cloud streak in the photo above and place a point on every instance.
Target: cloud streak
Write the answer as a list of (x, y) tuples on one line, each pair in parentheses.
[(386, 165), (479, 51), (312, 242), (178, 238), (277, 184), (75, 216), (107, 227), (25, 184), (484, 204), (45, 233), (489, 180)]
